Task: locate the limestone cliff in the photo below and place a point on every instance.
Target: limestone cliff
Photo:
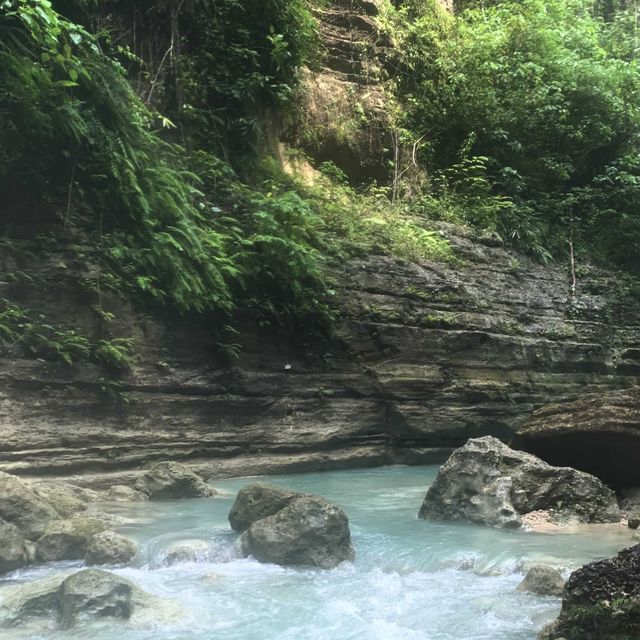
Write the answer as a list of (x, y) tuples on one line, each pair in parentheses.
[(426, 356)]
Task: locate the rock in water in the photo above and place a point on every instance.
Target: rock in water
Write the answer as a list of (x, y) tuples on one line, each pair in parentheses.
[(13, 548), (543, 581), (601, 601), (188, 551), (307, 531), (67, 539), (170, 480), (68, 596), (94, 593), (22, 507), (486, 482), (109, 547), (257, 501)]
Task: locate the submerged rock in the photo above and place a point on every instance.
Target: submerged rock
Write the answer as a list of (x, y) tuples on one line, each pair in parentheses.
[(307, 531), (67, 539), (601, 601), (486, 482), (257, 501), (543, 580), (111, 548), (13, 548), (170, 480), (21, 506)]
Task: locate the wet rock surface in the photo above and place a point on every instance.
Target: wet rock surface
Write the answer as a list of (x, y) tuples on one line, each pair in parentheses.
[(601, 601), (486, 482)]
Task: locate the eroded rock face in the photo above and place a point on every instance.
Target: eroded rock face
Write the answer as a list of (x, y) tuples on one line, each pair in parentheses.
[(67, 539), (171, 480), (577, 433), (257, 501), (110, 548), (308, 531), (486, 482), (13, 548), (22, 507), (543, 580), (601, 601)]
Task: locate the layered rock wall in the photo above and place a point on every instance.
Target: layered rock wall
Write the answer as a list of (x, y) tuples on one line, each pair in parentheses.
[(424, 357)]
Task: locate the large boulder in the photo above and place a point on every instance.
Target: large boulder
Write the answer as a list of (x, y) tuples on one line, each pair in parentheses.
[(543, 580), (94, 593), (22, 507), (307, 531), (488, 483), (69, 596), (598, 433), (601, 601), (170, 480), (257, 501), (110, 548), (67, 539), (13, 548)]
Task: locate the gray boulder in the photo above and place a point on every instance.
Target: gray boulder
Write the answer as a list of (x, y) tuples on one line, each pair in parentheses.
[(257, 501), (634, 520), (543, 580), (67, 539), (307, 531), (22, 507), (13, 548), (111, 548), (488, 483), (171, 480), (94, 593)]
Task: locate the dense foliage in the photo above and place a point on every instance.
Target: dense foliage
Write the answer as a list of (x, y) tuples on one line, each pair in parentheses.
[(75, 138), (544, 96)]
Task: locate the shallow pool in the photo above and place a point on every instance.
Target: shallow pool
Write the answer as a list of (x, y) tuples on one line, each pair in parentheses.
[(412, 579)]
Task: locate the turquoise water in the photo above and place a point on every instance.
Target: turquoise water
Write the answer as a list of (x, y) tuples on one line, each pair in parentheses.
[(412, 579)]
